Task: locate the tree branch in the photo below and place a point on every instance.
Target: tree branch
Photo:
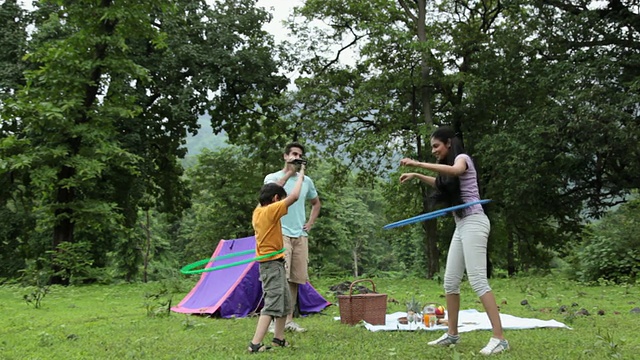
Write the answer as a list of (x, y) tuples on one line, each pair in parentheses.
[(408, 11), (605, 42), (490, 16), (356, 37), (568, 7)]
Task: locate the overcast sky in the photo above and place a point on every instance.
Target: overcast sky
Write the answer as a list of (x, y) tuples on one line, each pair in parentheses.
[(281, 9)]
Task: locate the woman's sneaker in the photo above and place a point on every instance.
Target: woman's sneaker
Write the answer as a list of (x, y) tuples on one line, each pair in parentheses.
[(495, 346), (445, 340)]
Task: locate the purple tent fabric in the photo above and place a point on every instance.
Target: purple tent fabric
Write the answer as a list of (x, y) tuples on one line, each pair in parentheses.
[(236, 291)]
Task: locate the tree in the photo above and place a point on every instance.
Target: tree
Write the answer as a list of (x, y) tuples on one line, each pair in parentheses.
[(348, 235), (560, 146), (117, 87), (13, 202), (13, 39), (410, 71), (225, 185), (519, 90), (209, 50), (602, 43)]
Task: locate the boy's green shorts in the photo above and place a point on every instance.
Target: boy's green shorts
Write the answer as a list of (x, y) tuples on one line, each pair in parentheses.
[(275, 288)]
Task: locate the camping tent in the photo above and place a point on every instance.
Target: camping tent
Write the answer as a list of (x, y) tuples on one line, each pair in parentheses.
[(237, 291)]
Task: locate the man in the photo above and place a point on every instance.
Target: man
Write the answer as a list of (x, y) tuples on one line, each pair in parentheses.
[(295, 226)]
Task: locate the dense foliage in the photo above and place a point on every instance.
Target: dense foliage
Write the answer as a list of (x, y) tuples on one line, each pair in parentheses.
[(110, 93), (611, 248), (98, 98), (539, 92)]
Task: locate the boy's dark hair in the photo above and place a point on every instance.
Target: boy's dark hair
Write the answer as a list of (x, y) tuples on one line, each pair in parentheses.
[(448, 187), (268, 191), (287, 149)]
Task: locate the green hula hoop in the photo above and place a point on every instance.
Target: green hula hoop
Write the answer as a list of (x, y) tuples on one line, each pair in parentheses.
[(189, 269)]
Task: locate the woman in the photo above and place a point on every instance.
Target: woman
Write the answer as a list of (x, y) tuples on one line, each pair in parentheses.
[(457, 183)]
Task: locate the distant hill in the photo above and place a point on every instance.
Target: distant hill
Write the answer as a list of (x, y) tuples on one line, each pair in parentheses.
[(205, 138)]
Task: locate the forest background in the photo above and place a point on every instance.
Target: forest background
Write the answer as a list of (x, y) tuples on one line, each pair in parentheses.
[(98, 99)]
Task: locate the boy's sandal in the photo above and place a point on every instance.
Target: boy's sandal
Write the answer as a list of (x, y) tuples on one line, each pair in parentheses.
[(280, 342), (255, 348)]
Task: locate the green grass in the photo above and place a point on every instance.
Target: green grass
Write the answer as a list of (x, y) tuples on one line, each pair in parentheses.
[(121, 322)]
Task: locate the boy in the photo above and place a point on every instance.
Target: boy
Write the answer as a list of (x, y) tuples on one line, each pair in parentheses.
[(274, 204)]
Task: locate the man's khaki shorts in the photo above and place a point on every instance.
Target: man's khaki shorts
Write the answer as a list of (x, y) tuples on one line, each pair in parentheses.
[(296, 257)]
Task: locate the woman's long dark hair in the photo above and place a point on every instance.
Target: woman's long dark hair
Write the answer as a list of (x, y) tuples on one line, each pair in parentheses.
[(448, 187)]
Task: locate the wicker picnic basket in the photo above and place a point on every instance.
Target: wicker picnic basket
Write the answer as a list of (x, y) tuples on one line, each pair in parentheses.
[(371, 308)]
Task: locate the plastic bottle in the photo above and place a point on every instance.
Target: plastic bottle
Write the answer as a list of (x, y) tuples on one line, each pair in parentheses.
[(429, 315)]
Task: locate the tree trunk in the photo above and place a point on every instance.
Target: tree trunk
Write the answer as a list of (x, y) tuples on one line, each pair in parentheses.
[(426, 94), (63, 228), (511, 261), (430, 227), (355, 262), (147, 251)]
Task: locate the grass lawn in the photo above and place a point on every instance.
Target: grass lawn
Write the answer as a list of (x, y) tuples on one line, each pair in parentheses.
[(126, 322)]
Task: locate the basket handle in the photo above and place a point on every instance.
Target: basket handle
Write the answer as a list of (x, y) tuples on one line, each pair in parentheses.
[(357, 281)]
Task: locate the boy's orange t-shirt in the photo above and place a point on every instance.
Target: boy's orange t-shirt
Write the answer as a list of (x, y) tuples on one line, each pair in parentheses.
[(266, 224)]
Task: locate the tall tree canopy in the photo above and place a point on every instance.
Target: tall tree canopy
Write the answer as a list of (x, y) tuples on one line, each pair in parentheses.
[(105, 113), (13, 42), (409, 76), (543, 93)]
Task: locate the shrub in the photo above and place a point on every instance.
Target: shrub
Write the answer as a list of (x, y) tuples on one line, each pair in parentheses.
[(611, 247), (72, 261)]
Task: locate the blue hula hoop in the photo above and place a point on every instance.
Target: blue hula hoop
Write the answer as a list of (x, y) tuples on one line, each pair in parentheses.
[(432, 215)]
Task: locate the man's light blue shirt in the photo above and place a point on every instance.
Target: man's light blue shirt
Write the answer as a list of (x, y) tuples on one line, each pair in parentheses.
[(296, 217)]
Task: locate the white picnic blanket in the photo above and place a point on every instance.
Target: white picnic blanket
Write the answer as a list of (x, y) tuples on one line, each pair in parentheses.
[(469, 320)]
